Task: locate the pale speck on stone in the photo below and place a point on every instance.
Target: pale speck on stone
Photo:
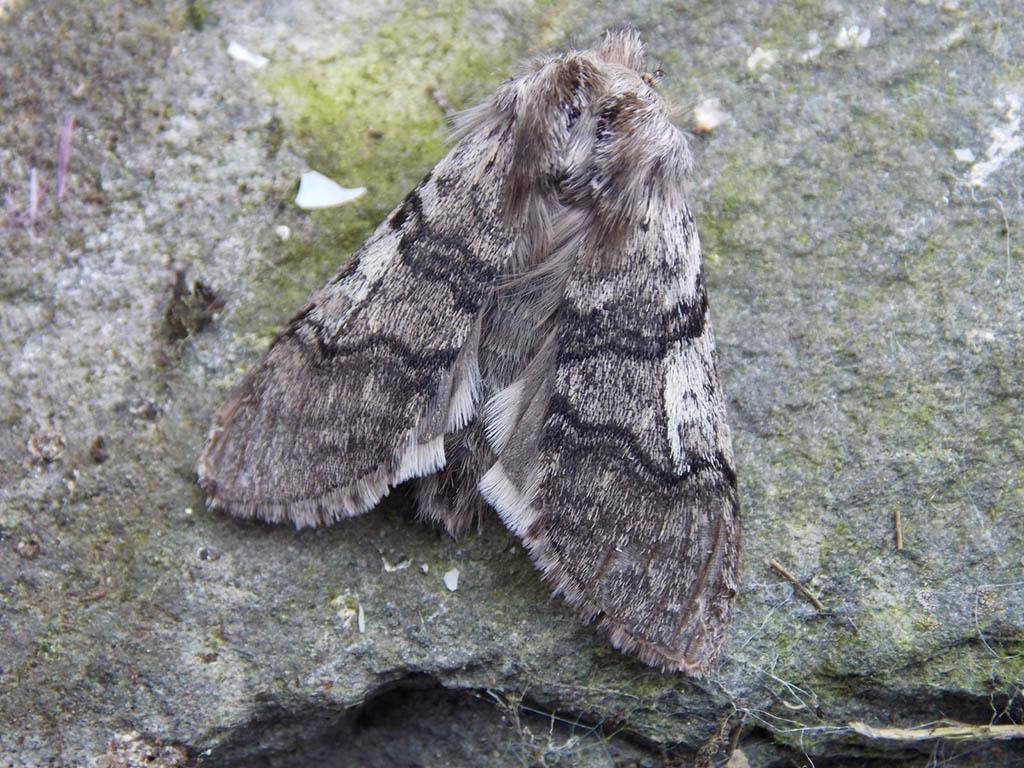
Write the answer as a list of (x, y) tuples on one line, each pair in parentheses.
[(708, 115), (27, 548), (347, 614), (965, 155), (1006, 138), (977, 338), (761, 59), (240, 53), (814, 41), (425, 568), (283, 232), (318, 191), (361, 620), (853, 37), (451, 579), (401, 565), (46, 442), (955, 38)]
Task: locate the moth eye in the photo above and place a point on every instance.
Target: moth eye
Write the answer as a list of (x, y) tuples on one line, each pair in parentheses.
[(652, 78)]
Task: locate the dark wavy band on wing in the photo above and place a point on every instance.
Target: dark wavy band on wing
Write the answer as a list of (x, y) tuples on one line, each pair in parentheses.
[(615, 442), (596, 330)]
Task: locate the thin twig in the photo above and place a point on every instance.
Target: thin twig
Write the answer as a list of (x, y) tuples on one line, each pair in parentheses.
[(899, 528), (958, 731), (797, 584)]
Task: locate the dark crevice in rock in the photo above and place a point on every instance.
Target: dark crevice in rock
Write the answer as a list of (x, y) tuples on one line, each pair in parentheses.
[(416, 721)]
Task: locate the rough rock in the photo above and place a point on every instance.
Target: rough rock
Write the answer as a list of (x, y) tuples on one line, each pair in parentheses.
[(866, 280)]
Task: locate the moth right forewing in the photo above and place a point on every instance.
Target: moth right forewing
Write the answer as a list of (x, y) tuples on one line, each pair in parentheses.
[(618, 474), (630, 511)]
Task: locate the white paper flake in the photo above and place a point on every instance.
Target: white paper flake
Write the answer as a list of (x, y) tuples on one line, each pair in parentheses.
[(451, 579), (240, 53), (318, 191)]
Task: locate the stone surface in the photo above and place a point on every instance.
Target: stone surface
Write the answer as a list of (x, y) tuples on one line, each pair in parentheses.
[(866, 284)]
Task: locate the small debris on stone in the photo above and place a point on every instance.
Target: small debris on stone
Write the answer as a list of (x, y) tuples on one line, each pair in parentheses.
[(240, 53), (451, 579), (318, 191)]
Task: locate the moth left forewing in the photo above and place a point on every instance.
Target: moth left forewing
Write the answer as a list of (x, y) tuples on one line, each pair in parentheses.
[(358, 393)]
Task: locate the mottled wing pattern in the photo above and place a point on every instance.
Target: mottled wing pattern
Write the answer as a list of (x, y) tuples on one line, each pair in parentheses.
[(357, 394), (615, 461), (629, 501)]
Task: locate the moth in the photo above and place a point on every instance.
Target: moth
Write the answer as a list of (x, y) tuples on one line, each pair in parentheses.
[(528, 330)]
